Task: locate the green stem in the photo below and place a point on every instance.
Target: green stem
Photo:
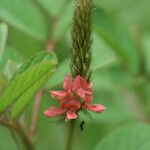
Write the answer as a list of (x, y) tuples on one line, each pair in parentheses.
[(70, 135)]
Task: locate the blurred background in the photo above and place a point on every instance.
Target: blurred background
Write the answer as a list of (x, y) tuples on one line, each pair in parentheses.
[(121, 63)]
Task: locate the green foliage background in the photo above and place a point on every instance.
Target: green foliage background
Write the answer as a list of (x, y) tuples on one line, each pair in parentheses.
[(121, 70)]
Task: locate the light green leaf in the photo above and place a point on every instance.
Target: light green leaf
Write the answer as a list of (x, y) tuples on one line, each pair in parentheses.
[(102, 54), (9, 69), (37, 58), (27, 80), (118, 38), (25, 44), (10, 53), (130, 137), (51, 7), (3, 38), (64, 23), (25, 16), (26, 96)]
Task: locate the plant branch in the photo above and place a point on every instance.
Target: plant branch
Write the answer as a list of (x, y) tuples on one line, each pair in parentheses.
[(55, 19), (36, 107), (52, 41), (13, 134), (18, 128)]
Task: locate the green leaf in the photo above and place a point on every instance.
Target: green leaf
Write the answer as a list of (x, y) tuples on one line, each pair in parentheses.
[(3, 38), (102, 54), (50, 6), (10, 53), (63, 11), (64, 22), (9, 69), (25, 16), (129, 137), (3, 83), (25, 44), (27, 81), (6, 142), (35, 59), (118, 38), (26, 96)]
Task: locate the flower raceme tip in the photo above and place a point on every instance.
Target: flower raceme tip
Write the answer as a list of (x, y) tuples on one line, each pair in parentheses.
[(77, 95)]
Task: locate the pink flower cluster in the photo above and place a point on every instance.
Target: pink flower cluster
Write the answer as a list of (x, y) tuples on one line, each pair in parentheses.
[(76, 95)]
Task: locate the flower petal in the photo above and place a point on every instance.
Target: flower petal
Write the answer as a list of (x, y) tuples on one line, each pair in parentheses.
[(85, 95), (83, 88), (94, 107), (90, 85), (54, 111), (81, 93), (67, 83), (71, 115), (88, 98), (59, 95), (80, 83)]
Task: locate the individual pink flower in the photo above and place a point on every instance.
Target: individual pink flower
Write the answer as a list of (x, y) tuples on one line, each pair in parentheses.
[(66, 93), (84, 90)]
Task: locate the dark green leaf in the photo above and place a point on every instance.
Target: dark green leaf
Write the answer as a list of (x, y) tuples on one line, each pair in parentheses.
[(118, 38), (64, 23), (25, 16), (50, 6), (6, 142), (130, 137)]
